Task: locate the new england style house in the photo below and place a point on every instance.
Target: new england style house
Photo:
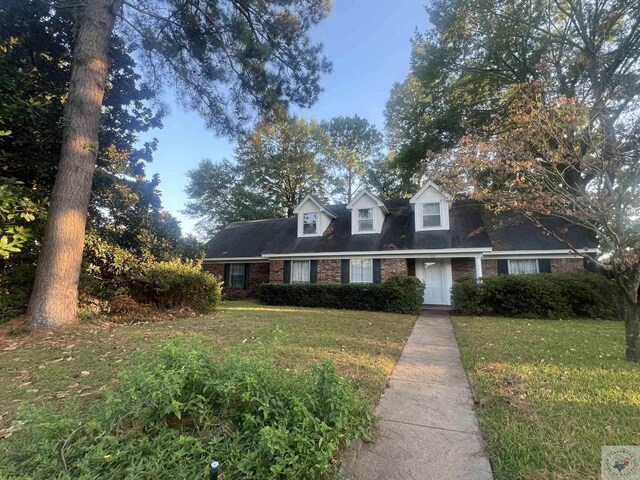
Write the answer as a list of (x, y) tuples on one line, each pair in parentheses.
[(432, 236)]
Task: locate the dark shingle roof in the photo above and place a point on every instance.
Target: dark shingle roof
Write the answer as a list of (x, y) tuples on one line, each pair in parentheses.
[(470, 226)]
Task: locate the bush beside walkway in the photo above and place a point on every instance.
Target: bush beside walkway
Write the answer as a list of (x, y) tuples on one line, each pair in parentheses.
[(72, 372)]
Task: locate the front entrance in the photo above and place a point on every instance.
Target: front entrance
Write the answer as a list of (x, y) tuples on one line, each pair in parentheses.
[(436, 275)]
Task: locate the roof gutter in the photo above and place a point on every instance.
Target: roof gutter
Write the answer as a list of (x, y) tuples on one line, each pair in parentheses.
[(236, 260), (448, 252)]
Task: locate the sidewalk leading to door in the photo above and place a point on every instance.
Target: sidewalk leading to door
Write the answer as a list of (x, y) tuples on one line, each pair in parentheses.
[(428, 428)]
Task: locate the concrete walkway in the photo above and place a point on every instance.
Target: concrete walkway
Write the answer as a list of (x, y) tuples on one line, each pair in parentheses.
[(428, 428)]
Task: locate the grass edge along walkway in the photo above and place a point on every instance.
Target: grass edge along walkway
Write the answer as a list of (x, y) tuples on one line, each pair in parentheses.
[(550, 393)]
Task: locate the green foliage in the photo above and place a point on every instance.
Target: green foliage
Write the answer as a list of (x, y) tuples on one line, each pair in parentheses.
[(403, 294), (176, 283), (285, 159), (354, 296), (17, 210), (229, 60), (36, 44), (276, 165), (538, 296), (16, 280), (182, 409), (354, 144), (475, 51), (396, 294), (219, 195)]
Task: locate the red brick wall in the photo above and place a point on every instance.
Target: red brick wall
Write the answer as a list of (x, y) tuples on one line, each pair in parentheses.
[(463, 267), (276, 271), (329, 271), (215, 268), (489, 267), (258, 274), (567, 265), (558, 265), (393, 266)]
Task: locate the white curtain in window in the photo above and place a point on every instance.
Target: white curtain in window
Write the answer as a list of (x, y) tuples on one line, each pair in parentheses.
[(430, 214), (300, 271), (523, 267), (361, 270), (310, 223), (236, 275), (365, 219)]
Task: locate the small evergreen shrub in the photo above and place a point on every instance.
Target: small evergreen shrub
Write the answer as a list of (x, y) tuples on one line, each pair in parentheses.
[(176, 284), (538, 296), (176, 414), (403, 294)]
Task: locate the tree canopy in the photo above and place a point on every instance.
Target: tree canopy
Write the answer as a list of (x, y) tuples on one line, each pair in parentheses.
[(354, 145), (545, 119), (462, 68)]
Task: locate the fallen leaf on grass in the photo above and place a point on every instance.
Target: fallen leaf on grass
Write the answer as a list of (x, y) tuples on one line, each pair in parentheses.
[(74, 385), (5, 433), (62, 394), (84, 373), (25, 384), (10, 347), (57, 360)]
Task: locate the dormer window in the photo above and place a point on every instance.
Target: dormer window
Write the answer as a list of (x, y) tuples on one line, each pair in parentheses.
[(431, 208), (313, 217), (365, 219), (310, 223), (431, 215), (367, 213)]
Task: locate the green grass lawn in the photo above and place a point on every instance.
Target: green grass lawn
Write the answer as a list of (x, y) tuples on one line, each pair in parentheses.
[(551, 393), (78, 364)]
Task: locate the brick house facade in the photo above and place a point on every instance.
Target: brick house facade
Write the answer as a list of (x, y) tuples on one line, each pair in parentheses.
[(432, 236)]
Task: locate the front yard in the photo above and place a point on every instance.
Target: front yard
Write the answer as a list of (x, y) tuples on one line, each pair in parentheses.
[(550, 393), (73, 368)]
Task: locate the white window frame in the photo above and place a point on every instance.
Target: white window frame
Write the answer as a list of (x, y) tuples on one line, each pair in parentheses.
[(371, 217), (240, 266), (359, 263), (423, 214), (513, 270), (301, 268), (315, 223)]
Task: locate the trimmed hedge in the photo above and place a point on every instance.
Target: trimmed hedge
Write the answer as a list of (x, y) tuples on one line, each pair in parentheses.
[(400, 294), (176, 284), (403, 294), (538, 296)]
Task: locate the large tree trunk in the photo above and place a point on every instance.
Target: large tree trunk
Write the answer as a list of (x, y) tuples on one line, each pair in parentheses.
[(632, 331), (54, 298)]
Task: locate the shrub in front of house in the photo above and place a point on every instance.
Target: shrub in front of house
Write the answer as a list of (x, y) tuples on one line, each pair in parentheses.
[(174, 414), (403, 294), (538, 296), (396, 294), (353, 296), (177, 283)]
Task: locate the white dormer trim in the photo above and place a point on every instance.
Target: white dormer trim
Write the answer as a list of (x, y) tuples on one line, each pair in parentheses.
[(428, 194), (430, 184), (365, 200), (310, 204)]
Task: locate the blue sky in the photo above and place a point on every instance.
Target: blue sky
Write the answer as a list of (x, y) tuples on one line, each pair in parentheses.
[(368, 42)]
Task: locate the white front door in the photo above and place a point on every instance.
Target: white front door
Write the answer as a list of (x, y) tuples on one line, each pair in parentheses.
[(436, 275)]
